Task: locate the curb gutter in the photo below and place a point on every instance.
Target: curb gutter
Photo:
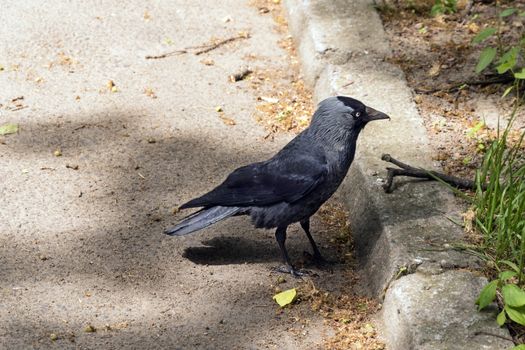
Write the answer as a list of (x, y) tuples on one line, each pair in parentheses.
[(403, 240)]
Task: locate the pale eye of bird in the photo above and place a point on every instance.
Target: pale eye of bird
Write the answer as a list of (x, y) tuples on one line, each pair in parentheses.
[(357, 114)]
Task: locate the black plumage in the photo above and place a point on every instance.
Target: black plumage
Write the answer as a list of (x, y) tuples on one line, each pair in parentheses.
[(292, 185)]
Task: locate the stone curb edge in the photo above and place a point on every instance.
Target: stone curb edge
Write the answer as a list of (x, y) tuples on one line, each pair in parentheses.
[(403, 239)]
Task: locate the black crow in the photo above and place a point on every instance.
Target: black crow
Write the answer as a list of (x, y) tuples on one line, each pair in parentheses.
[(292, 185)]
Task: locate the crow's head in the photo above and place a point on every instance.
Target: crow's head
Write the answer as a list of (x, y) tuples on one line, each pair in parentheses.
[(346, 113)]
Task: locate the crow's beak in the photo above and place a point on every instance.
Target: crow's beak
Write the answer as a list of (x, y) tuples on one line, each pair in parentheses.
[(375, 114)]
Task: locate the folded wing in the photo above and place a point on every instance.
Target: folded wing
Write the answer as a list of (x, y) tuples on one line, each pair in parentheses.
[(280, 179)]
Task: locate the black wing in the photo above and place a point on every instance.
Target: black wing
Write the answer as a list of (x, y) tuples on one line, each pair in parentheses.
[(288, 177)]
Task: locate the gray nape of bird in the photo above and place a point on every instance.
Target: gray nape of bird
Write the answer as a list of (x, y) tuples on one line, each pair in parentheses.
[(292, 185)]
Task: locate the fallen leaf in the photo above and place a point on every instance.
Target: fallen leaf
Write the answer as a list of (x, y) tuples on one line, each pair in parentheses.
[(57, 152), (435, 69), (208, 62), (111, 86), (53, 337), (8, 128), (286, 297), (218, 109), (147, 16), (227, 121), (269, 99), (65, 60), (473, 27), (120, 325), (150, 93), (244, 35)]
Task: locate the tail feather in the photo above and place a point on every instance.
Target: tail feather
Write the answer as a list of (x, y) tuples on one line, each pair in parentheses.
[(201, 219)]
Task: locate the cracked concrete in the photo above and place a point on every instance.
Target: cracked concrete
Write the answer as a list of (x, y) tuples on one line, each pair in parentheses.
[(403, 239)]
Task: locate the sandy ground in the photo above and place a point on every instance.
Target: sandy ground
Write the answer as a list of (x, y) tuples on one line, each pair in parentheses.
[(92, 177)]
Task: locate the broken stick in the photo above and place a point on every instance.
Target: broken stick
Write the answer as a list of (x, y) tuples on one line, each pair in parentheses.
[(200, 49), (410, 171)]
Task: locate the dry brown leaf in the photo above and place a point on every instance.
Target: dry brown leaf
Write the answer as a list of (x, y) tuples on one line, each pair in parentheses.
[(227, 121), (208, 62), (111, 86), (473, 27), (150, 93), (435, 70)]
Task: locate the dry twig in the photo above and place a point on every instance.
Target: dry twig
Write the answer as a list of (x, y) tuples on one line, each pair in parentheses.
[(167, 54), (407, 170), (200, 49), (457, 86)]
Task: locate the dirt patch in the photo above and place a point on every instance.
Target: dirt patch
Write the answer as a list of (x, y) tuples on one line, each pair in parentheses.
[(284, 101), (459, 107), (348, 315)]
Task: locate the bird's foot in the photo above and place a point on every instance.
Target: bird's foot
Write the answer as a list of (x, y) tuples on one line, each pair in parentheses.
[(292, 271), (319, 261)]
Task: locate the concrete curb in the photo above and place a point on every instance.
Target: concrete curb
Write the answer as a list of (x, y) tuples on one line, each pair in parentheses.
[(402, 239)]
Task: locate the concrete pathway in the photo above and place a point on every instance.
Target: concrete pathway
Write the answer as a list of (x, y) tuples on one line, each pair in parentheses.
[(91, 179)]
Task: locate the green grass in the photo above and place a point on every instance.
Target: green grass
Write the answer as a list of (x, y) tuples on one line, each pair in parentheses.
[(499, 201)]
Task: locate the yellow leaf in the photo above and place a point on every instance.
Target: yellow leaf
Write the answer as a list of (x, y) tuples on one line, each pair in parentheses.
[(8, 128), (473, 27), (286, 297)]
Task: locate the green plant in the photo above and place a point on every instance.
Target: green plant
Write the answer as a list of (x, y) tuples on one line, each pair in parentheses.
[(512, 297), (509, 55), (475, 133), (499, 204), (444, 7)]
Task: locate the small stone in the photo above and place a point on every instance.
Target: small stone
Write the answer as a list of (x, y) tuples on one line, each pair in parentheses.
[(53, 337)]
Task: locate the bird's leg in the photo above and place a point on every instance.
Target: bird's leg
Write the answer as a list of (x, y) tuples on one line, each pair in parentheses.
[(280, 236), (318, 258)]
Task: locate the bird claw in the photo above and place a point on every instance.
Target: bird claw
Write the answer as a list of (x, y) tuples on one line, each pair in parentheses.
[(292, 271)]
